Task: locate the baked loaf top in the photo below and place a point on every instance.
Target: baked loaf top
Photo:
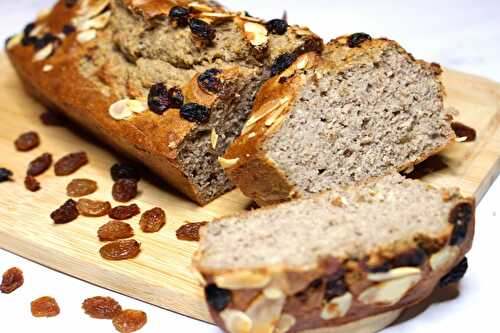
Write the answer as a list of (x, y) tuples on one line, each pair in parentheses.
[(334, 258), (168, 82), (363, 108)]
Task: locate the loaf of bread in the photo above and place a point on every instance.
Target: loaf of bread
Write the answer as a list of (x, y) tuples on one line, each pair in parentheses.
[(170, 83), (363, 108), (348, 258)]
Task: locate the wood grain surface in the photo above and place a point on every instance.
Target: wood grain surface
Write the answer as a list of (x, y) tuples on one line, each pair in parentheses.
[(161, 274)]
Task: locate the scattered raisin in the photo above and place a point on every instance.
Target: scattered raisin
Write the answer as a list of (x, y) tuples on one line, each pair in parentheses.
[(45, 40), (81, 187), (101, 307), (5, 174), (44, 307), (70, 163), (277, 26), (334, 288), (282, 63), (179, 15), (28, 40), (190, 231), (50, 118), (202, 29), (411, 258), (29, 28), (68, 29), (124, 190), (114, 230), (464, 131), (66, 213), (124, 212), (92, 208), (456, 274), (209, 81), (121, 249), (160, 99), (130, 321), (39, 165), (195, 113), (123, 170), (153, 220), (380, 268), (311, 44), (217, 298), (27, 141), (460, 217), (11, 280), (355, 40), (70, 3), (305, 294), (31, 183)]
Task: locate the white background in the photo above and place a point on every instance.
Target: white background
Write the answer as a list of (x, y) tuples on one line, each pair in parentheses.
[(459, 34)]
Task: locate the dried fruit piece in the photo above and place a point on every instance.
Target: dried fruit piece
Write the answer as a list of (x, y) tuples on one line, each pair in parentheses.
[(70, 163), (80, 187), (160, 99), (277, 26), (121, 250), (412, 258), (68, 29), (39, 165), (209, 81), (195, 113), (202, 29), (5, 174), (27, 141), (45, 40), (66, 213), (50, 118), (217, 298), (283, 62), (114, 230), (31, 184), (130, 321), (123, 170), (101, 307), (153, 220), (93, 208), (179, 15), (456, 274), (463, 132), (124, 190), (29, 28), (11, 280), (460, 217), (355, 40), (124, 212), (44, 307), (190, 231), (335, 288)]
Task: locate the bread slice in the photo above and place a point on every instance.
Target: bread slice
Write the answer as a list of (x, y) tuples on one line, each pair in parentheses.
[(334, 258), (364, 108)]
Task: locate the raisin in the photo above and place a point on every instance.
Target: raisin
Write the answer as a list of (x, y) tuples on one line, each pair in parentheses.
[(311, 44), (124, 190), (92, 208), (31, 184), (195, 113), (124, 212), (190, 231), (130, 321), (39, 165), (123, 170), (68, 29), (45, 40), (70, 3), (5, 174), (81, 187), (283, 62), (28, 40), (11, 280), (179, 15), (27, 141), (277, 26), (66, 213), (202, 29), (209, 81), (412, 258), (460, 217), (121, 250), (101, 307), (217, 298), (335, 288), (464, 131), (456, 274), (305, 294), (160, 99), (29, 28), (70, 163), (114, 230), (380, 268), (50, 118), (153, 220), (44, 307), (355, 40)]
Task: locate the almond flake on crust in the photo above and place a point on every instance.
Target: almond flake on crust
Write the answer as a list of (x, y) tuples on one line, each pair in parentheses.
[(98, 22), (47, 68), (214, 137), (44, 53), (227, 163), (200, 7), (256, 33), (119, 110), (86, 36)]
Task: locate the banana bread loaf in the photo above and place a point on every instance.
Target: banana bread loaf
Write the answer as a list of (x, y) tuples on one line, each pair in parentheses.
[(351, 257), (363, 108), (170, 83)]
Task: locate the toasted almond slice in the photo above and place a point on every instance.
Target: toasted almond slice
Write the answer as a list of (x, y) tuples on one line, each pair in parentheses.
[(263, 111), (256, 33), (44, 53), (242, 280), (98, 22), (265, 313), (243, 16), (227, 163), (461, 139), (251, 135), (273, 293), (200, 7), (136, 106), (444, 258), (285, 323), (119, 110), (214, 137), (393, 274), (217, 15), (15, 40), (47, 68), (86, 36), (37, 30), (389, 292), (236, 321), (95, 9), (337, 307)]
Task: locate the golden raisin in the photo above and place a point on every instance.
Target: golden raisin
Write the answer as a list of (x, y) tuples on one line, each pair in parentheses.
[(124, 212), (101, 307), (124, 190), (93, 208), (121, 250), (27, 141), (70, 163), (114, 230), (44, 307), (190, 231), (81, 187), (11, 280), (130, 321), (153, 220)]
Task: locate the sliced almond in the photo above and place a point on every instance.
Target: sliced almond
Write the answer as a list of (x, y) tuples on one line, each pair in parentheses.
[(95, 9), (265, 313), (236, 321), (136, 106), (15, 40), (214, 137), (409, 170), (227, 163), (243, 16), (251, 135), (263, 111), (285, 323), (86, 36), (256, 33), (273, 293), (461, 139), (395, 273), (44, 53), (98, 22), (444, 258), (200, 7), (242, 280), (47, 68), (389, 292), (337, 307), (37, 30), (119, 110), (302, 62)]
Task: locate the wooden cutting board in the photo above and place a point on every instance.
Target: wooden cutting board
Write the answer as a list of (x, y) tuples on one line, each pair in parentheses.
[(161, 274)]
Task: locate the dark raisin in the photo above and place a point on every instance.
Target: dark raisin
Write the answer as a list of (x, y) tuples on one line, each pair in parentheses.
[(217, 298), (68, 29), (28, 40), (27, 141), (121, 250), (305, 294), (456, 274), (29, 28), (179, 15), (277, 26), (70, 163), (123, 170), (334, 288), (101, 307), (66, 213), (412, 258), (45, 40), (311, 44), (461, 216), (124, 212), (160, 99), (380, 268), (50, 118), (5, 174), (124, 190), (283, 62), (209, 81), (11, 280), (202, 29), (44, 307), (91, 208), (130, 321), (355, 40), (464, 131), (195, 113), (70, 3), (153, 220), (39, 165), (80, 187), (114, 230), (31, 184), (190, 231)]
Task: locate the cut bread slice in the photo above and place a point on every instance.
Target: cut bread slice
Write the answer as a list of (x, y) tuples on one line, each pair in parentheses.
[(334, 258), (364, 108)]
